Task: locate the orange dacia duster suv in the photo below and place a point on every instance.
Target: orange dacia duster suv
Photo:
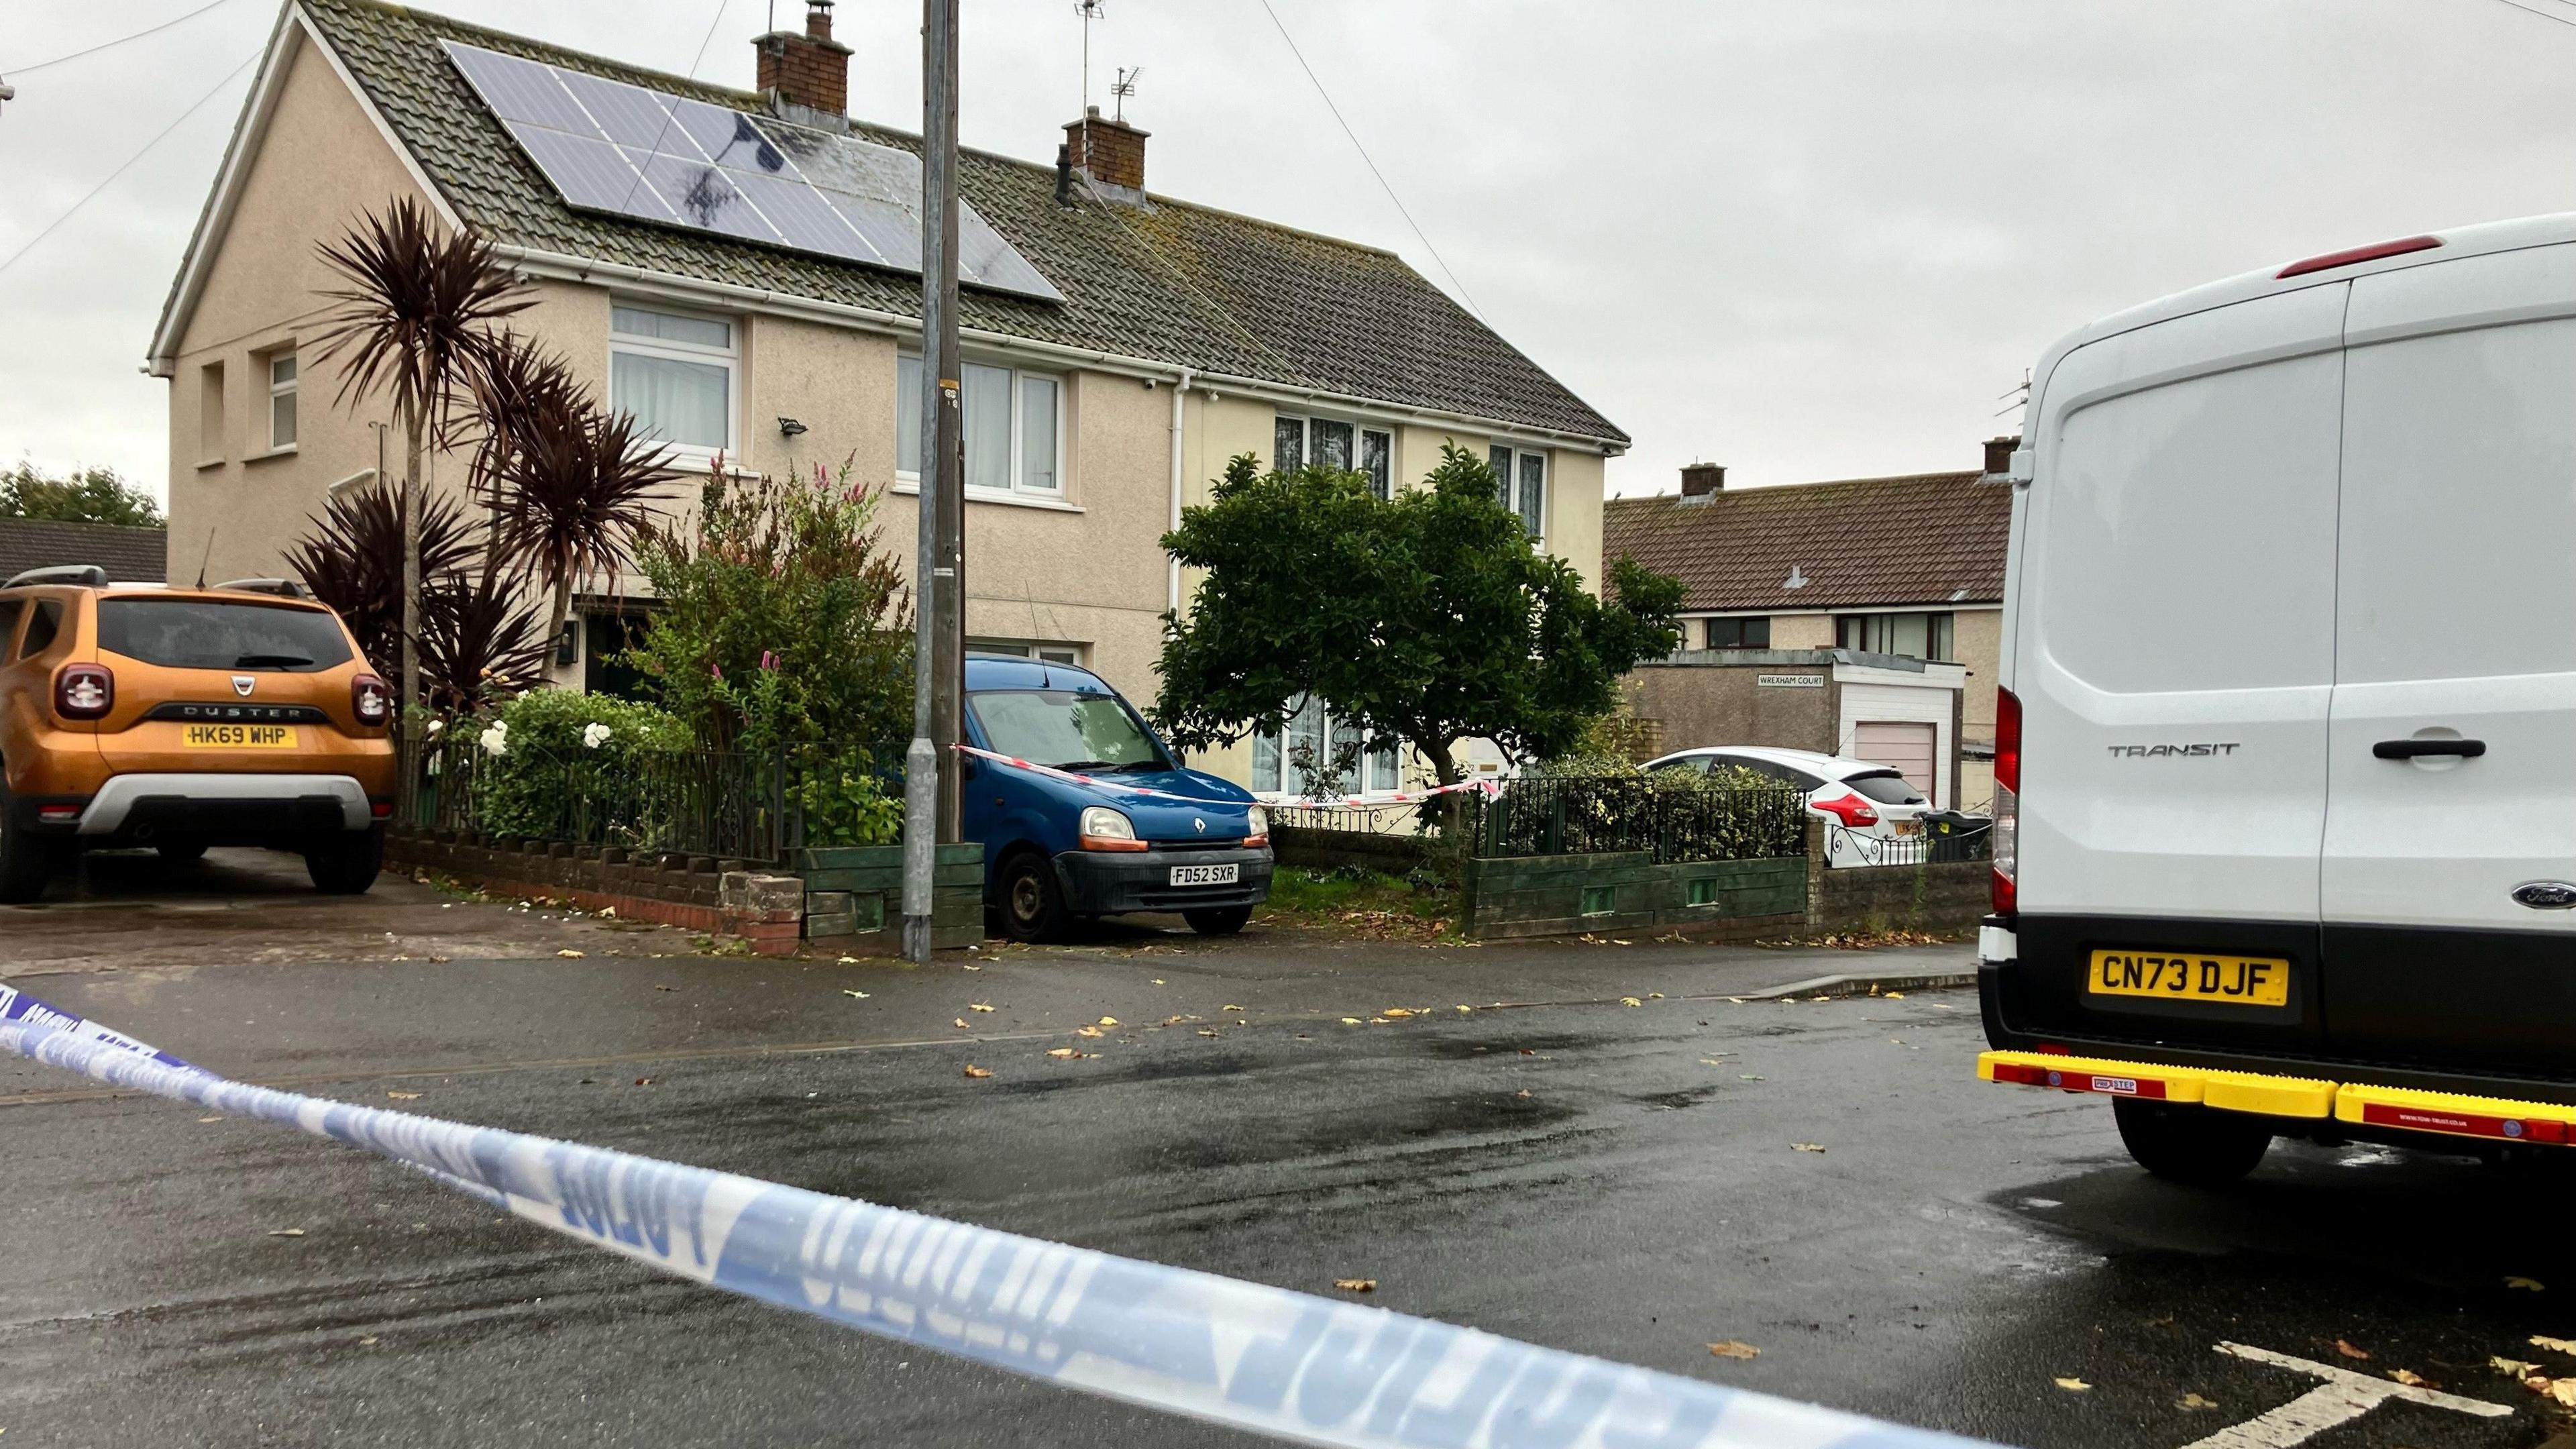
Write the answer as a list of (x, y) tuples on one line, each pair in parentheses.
[(138, 715)]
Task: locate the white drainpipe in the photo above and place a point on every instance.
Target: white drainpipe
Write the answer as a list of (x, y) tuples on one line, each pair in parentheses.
[(1179, 394)]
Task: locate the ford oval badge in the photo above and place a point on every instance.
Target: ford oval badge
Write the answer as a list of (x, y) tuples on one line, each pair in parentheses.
[(2546, 895)]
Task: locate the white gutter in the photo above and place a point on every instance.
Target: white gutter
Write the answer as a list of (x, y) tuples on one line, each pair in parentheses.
[(690, 289), (1180, 395)]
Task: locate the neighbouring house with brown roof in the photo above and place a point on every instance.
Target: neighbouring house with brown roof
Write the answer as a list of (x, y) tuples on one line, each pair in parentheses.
[(740, 270), (1890, 573), (130, 555)]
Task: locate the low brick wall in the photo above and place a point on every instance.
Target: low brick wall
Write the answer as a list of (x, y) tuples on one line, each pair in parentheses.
[(1307, 848), (1944, 897), (1558, 895), (854, 897), (693, 892)]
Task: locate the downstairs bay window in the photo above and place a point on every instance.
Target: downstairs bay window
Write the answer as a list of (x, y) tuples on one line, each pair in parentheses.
[(1293, 762)]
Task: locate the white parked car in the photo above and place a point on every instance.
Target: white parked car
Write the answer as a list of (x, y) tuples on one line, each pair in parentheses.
[(1862, 804)]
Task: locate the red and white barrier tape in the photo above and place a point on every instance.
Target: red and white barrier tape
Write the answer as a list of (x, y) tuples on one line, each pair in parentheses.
[(1399, 797)]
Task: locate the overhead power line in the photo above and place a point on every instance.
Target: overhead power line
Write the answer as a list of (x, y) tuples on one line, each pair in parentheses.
[(197, 106), (120, 40), (2549, 16), (1445, 268), (694, 63)]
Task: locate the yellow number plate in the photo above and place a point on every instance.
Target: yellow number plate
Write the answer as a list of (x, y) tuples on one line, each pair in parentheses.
[(2228, 980), (240, 737)]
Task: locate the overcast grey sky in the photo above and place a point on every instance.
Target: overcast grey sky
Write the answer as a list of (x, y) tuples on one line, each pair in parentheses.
[(1806, 238)]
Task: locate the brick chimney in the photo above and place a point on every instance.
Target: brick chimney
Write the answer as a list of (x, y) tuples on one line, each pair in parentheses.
[(1699, 480), (1999, 453), (1110, 152), (808, 71)]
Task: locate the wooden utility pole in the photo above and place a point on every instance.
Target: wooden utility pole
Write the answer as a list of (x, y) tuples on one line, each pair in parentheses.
[(931, 798)]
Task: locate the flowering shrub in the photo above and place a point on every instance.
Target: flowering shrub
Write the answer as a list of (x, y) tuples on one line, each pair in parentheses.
[(553, 750)]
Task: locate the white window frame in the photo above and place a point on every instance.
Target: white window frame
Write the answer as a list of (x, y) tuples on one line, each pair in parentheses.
[(685, 455), (1305, 425), (1280, 792), (1044, 651), (908, 480), (286, 389), (1516, 451), (1931, 655)]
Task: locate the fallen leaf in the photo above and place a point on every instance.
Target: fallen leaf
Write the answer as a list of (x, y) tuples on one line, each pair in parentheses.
[(1158, 980), (1356, 1285), (569, 954), (1089, 1031), (1346, 1021), (367, 1342), (2513, 1368), (2195, 1401), (979, 1073), (2408, 1377), (1738, 1000), (1712, 1061), (1808, 1146), (404, 1096), (218, 1117), (643, 1081), (1523, 1092), (1749, 1077), (1463, 1009), (1529, 1051), (969, 965), (978, 1006), (286, 1232), (1630, 1001), (849, 960), (2564, 1391), (2527, 1285), (859, 995), (2075, 1386), (2348, 1351), (1064, 1052), (674, 988), (960, 1023), (1395, 1011), (1654, 996), (1207, 1031), (2554, 1345), (1108, 1021), (1900, 996), (1230, 1008), (1616, 942), (1377, 1021)]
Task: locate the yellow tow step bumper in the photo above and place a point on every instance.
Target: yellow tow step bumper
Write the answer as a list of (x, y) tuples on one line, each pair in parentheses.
[(2449, 1114)]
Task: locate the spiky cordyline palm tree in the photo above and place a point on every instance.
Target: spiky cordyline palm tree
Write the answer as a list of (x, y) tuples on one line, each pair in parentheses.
[(415, 321), (576, 490), (353, 560)]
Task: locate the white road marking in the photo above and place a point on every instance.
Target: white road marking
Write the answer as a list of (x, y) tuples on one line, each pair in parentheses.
[(2342, 1398)]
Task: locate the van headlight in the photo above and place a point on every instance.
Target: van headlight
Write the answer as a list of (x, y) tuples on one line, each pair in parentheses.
[(1102, 828), (1256, 826)]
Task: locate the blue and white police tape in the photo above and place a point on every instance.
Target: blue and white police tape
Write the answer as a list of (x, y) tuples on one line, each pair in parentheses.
[(1259, 1358)]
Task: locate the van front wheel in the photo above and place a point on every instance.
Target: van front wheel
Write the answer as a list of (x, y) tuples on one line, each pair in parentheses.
[(1032, 901), (2195, 1146)]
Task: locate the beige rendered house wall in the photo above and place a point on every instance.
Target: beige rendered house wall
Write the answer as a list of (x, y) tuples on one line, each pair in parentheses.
[(321, 166)]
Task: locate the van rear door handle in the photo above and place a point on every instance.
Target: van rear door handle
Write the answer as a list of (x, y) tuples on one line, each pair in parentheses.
[(2419, 749)]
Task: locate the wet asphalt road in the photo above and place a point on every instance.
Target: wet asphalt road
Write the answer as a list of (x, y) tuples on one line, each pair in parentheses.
[(1616, 1180)]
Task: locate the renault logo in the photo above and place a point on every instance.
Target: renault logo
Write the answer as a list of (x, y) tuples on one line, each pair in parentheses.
[(243, 684), (1199, 824)]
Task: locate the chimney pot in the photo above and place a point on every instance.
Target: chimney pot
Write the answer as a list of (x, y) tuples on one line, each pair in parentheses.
[(818, 19), (1699, 480), (1999, 453)]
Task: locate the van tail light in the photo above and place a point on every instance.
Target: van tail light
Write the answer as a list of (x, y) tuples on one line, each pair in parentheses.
[(371, 699), (2007, 829), (1850, 809), (84, 691)]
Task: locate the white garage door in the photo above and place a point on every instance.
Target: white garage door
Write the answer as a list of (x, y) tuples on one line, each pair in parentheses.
[(1902, 746)]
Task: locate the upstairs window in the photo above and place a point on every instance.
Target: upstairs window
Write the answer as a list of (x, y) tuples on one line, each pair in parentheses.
[(1331, 443), (1915, 636), (281, 399), (1520, 477), (1738, 633), (676, 375), (1013, 424)]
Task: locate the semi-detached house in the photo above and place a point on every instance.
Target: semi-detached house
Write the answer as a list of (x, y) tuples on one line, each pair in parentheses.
[(1120, 345)]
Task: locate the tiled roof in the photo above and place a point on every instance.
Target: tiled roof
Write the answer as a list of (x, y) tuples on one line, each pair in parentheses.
[(1171, 282), (1934, 538), (130, 555)]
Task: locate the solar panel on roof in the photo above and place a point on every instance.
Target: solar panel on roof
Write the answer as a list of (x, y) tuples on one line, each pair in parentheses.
[(608, 146)]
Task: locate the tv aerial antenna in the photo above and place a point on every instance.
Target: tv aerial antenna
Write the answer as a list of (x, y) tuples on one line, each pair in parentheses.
[(1123, 87), (1089, 10)]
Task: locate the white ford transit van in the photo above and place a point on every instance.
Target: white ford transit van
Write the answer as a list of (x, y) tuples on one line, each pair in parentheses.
[(2286, 757)]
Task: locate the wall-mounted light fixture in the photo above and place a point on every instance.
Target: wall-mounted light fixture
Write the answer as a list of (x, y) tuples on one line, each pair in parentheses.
[(790, 427)]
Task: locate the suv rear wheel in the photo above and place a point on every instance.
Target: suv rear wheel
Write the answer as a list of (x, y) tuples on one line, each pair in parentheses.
[(25, 860), (346, 865), (2196, 1146)]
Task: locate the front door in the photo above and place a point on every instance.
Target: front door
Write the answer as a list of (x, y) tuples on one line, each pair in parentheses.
[(2452, 741)]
